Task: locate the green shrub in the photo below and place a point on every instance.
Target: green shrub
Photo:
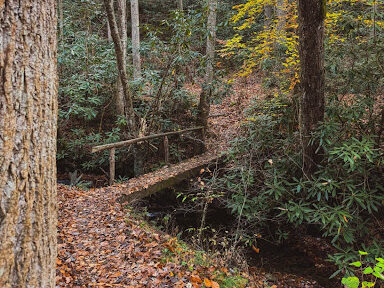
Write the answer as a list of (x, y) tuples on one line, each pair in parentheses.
[(370, 273), (266, 185)]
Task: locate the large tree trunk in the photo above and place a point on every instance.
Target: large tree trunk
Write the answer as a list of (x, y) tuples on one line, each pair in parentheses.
[(311, 50), (205, 95), (122, 23), (135, 39), (28, 116)]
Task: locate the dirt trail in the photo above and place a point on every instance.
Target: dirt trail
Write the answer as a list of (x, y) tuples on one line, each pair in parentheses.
[(227, 115), (226, 127), (98, 246)]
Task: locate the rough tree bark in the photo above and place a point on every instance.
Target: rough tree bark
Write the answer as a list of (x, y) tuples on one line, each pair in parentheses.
[(311, 49), (28, 116), (122, 24), (135, 39), (205, 95)]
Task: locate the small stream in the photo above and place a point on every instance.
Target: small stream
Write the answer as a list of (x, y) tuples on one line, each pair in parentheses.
[(297, 257)]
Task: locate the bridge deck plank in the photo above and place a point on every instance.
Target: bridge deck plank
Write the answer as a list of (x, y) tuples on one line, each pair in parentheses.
[(168, 176)]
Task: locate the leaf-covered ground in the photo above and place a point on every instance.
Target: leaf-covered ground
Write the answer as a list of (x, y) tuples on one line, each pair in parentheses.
[(100, 246)]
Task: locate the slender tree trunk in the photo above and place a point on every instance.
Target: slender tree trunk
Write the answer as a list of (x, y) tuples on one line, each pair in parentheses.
[(28, 117), (205, 95), (109, 36), (281, 18), (311, 49), (129, 112), (122, 24), (374, 12), (139, 150), (211, 40), (128, 107), (135, 39), (61, 19), (180, 5), (268, 16)]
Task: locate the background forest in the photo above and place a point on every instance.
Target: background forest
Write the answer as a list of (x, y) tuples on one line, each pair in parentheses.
[(263, 184)]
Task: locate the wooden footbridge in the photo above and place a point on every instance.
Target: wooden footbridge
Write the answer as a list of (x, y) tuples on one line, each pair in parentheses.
[(163, 178)]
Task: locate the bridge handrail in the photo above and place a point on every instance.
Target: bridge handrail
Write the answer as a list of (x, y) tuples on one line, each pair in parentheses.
[(113, 146), (141, 139)]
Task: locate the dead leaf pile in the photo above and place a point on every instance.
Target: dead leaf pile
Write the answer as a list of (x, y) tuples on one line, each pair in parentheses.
[(99, 246)]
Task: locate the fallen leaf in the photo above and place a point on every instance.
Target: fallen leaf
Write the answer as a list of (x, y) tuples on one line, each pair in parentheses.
[(207, 282), (257, 250), (196, 278)]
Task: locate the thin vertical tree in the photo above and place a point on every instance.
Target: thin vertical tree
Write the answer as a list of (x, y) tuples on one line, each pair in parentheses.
[(61, 19), (28, 117), (129, 113), (281, 18), (206, 92), (109, 36), (180, 5), (136, 62), (268, 11), (311, 50), (135, 39), (122, 27)]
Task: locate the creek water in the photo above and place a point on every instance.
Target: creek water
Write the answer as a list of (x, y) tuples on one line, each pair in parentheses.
[(302, 255)]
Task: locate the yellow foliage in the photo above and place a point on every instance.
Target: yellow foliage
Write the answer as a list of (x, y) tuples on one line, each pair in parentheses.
[(262, 45)]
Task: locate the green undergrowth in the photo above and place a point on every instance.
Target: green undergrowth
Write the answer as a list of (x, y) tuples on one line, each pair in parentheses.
[(199, 263)]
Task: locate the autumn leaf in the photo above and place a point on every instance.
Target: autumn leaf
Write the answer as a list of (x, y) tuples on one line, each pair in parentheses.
[(257, 250), (207, 282), (196, 278)]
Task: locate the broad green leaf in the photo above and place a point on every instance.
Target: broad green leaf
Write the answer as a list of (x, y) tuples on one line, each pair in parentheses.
[(378, 275), (351, 282), (368, 270), (356, 264)]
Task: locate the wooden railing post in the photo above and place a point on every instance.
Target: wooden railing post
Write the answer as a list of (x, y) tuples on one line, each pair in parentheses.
[(166, 149), (112, 147), (111, 166)]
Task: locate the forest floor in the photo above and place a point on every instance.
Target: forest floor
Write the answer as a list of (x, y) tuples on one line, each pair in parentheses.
[(102, 244)]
